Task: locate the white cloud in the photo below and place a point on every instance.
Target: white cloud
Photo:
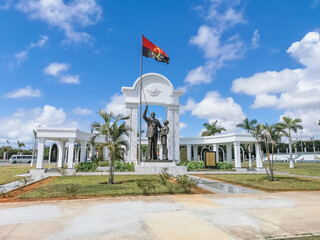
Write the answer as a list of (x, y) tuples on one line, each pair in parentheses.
[(57, 70), (255, 39), (70, 79), (66, 16), (296, 91), (221, 15), (182, 125), (213, 107), (20, 124), (82, 111), (116, 104), (290, 88), (6, 4), (24, 92), (22, 56)]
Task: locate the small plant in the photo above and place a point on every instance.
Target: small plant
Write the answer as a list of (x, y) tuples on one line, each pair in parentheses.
[(86, 167), (103, 164), (63, 170), (187, 183), (224, 165), (24, 181), (164, 177), (71, 190), (146, 185), (124, 166), (193, 165)]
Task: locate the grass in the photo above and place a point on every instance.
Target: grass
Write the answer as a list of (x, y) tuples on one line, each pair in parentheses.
[(8, 173), (281, 183), (92, 186), (310, 169)]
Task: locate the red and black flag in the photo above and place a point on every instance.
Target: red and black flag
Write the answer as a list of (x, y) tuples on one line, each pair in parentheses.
[(153, 51)]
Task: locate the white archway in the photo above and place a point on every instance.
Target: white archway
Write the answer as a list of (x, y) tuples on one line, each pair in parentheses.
[(158, 90)]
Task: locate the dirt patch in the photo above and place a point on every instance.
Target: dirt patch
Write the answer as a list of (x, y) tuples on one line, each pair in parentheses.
[(11, 196)]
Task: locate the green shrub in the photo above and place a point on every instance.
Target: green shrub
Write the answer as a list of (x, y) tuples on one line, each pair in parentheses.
[(124, 166), (63, 170), (193, 165), (146, 185), (187, 183), (224, 165), (164, 177), (103, 163), (86, 167), (71, 190)]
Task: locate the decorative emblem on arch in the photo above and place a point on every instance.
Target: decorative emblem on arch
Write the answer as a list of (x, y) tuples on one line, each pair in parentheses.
[(153, 91)]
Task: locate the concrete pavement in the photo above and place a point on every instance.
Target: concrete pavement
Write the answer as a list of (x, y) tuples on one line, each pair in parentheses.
[(208, 216)]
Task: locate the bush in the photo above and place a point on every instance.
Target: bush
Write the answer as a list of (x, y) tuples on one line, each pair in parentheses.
[(224, 165), (187, 183), (63, 170), (124, 166), (193, 165), (86, 167), (71, 190), (146, 185), (164, 177), (103, 163)]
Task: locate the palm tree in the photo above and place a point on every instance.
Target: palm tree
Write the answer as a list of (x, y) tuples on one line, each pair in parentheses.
[(270, 135), (249, 126), (113, 134), (286, 127), (20, 144), (212, 129)]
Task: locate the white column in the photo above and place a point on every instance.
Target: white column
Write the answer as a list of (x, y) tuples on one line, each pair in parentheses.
[(71, 152), (105, 153), (195, 153), (174, 133), (132, 139), (50, 149), (237, 157), (250, 160), (61, 149), (83, 152), (189, 152), (160, 152), (215, 148), (259, 163), (41, 142), (91, 152), (229, 153)]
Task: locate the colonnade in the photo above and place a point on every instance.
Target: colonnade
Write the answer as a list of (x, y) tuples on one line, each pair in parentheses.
[(236, 156)]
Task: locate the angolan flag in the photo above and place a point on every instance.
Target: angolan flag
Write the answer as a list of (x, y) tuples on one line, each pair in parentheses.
[(153, 51)]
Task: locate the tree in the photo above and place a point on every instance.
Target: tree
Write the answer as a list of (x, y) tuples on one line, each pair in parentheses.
[(20, 144), (286, 126), (319, 123), (113, 134), (249, 126), (212, 129)]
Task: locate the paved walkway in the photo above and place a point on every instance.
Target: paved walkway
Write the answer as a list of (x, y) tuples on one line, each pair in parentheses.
[(17, 184), (173, 217)]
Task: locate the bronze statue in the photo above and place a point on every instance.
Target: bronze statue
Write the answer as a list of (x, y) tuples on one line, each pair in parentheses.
[(152, 134), (164, 132)]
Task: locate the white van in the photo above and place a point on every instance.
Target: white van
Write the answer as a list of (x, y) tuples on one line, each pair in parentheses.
[(22, 159)]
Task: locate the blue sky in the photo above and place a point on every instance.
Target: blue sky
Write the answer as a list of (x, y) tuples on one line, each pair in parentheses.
[(62, 61)]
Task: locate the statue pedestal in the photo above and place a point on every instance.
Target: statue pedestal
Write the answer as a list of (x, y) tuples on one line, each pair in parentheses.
[(155, 167)]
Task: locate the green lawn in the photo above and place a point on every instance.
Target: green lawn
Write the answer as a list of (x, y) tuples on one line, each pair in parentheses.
[(92, 186), (8, 173), (281, 183), (310, 169)]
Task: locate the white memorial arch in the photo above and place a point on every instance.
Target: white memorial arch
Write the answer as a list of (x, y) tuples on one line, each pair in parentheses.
[(156, 90)]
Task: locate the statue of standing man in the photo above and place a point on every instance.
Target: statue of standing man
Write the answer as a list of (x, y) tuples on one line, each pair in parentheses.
[(164, 132), (152, 134)]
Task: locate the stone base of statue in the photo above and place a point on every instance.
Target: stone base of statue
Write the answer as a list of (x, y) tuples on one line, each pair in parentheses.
[(155, 167)]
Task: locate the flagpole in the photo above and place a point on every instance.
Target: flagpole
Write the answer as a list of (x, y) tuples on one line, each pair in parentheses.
[(139, 160)]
